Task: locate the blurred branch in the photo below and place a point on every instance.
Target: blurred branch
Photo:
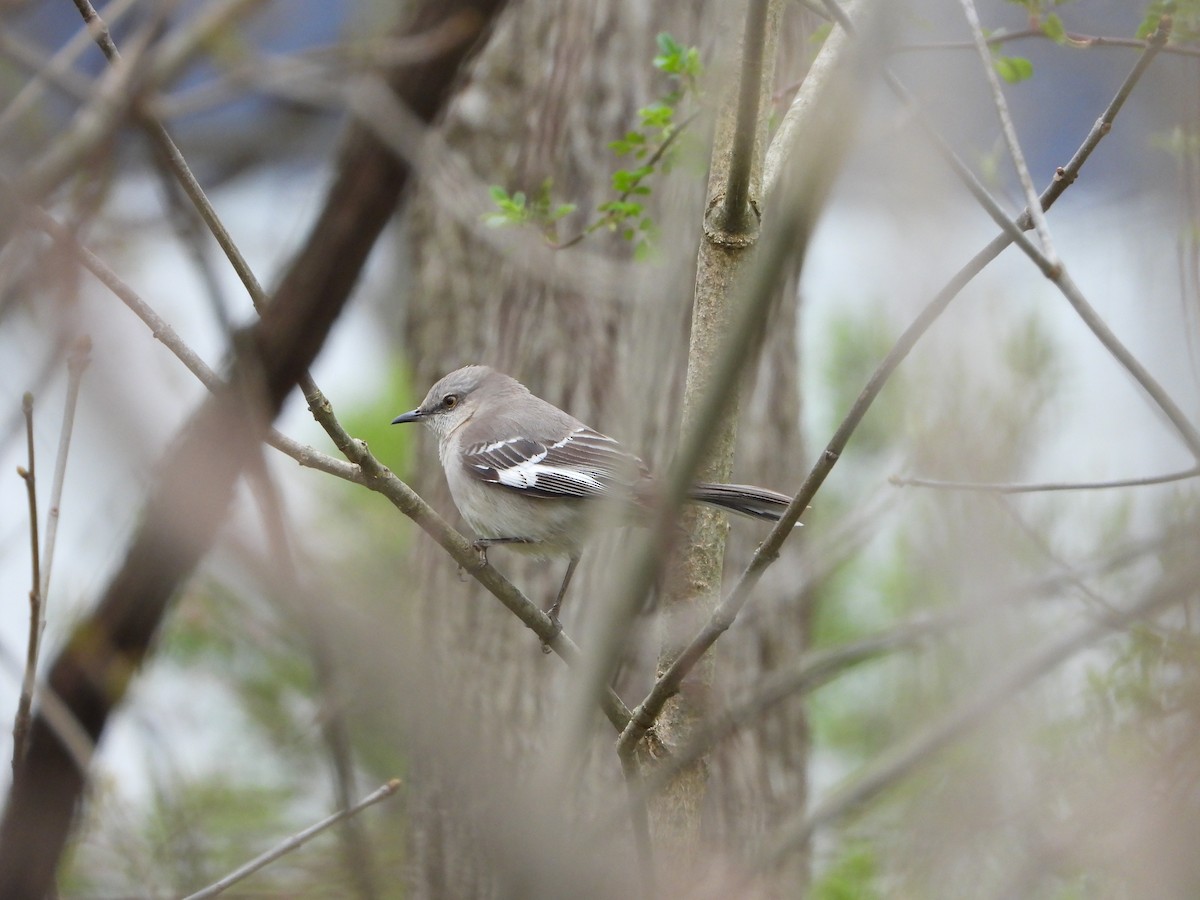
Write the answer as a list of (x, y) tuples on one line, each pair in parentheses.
[(174, 160), (188, 500), (639, 815), (73, 736), (24, 704), (294, 842), (1033, 207), (1043, 487), (77, 361), (48, 69), (315, 75), (891, 767), (464, 196), (813, 670), (93, 125), (284, 584), (1070, 38)]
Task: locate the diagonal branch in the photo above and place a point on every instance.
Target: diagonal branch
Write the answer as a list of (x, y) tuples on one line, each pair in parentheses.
[(1009, 130)]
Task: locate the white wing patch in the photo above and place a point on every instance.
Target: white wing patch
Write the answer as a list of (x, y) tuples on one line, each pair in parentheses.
[(583, 464)]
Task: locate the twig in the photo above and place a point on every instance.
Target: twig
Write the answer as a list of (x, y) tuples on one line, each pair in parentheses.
[(51, 707), (25, 704), (814, 670), (651, 160), (1010, 132), (295, 841), (1073, 39), (77, 362), (985, 487), (890, 768)]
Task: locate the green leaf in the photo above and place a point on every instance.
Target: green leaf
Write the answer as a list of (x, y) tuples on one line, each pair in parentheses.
[(1013, 69), (1052, 27), (1154, 13)]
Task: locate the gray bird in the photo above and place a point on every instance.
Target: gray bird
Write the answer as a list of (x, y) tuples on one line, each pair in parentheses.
[(523, 472)]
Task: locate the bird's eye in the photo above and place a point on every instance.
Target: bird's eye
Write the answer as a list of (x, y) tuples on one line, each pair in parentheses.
[(450, 401)]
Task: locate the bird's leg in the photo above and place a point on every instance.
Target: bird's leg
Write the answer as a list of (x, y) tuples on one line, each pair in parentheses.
[(480, 545), (552, 612)]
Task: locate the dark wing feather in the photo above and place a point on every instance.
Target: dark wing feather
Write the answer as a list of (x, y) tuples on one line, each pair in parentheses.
[(583, 464)]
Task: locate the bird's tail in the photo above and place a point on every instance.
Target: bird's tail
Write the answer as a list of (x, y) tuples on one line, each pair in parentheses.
[(745, 499)]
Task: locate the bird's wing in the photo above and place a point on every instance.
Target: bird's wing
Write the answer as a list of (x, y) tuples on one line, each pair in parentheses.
[(583, 464)]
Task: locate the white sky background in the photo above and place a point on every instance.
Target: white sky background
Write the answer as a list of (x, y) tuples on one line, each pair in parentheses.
[(875, 241)]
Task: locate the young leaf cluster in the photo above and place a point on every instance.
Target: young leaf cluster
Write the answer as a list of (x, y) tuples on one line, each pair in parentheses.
[(650, 147), (519, 209)]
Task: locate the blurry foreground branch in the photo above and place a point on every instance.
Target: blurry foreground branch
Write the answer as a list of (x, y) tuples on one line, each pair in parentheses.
[(189, 498)]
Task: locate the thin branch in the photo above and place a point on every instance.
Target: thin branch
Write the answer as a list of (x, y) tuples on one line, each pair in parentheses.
[(73, 735), (1070, 39), (735, 218), (25, 703), (77, 362), (1010, 132), (371, 473), (46, 69), (651, 161), (889, 769), (985, 487), (668, 683), (814, 669), (294, 842)]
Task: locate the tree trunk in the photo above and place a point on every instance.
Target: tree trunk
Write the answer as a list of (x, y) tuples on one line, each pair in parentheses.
[(555, 86)]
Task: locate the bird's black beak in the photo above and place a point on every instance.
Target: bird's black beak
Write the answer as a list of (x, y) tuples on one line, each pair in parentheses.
[(412, 416)]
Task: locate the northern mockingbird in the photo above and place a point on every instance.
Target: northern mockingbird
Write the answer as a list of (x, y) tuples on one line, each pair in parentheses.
[(523, 472)]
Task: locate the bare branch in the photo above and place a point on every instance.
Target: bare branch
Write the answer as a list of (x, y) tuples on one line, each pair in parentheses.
[(25, 703), (77, 362), (1043, 487), (294, 842)]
